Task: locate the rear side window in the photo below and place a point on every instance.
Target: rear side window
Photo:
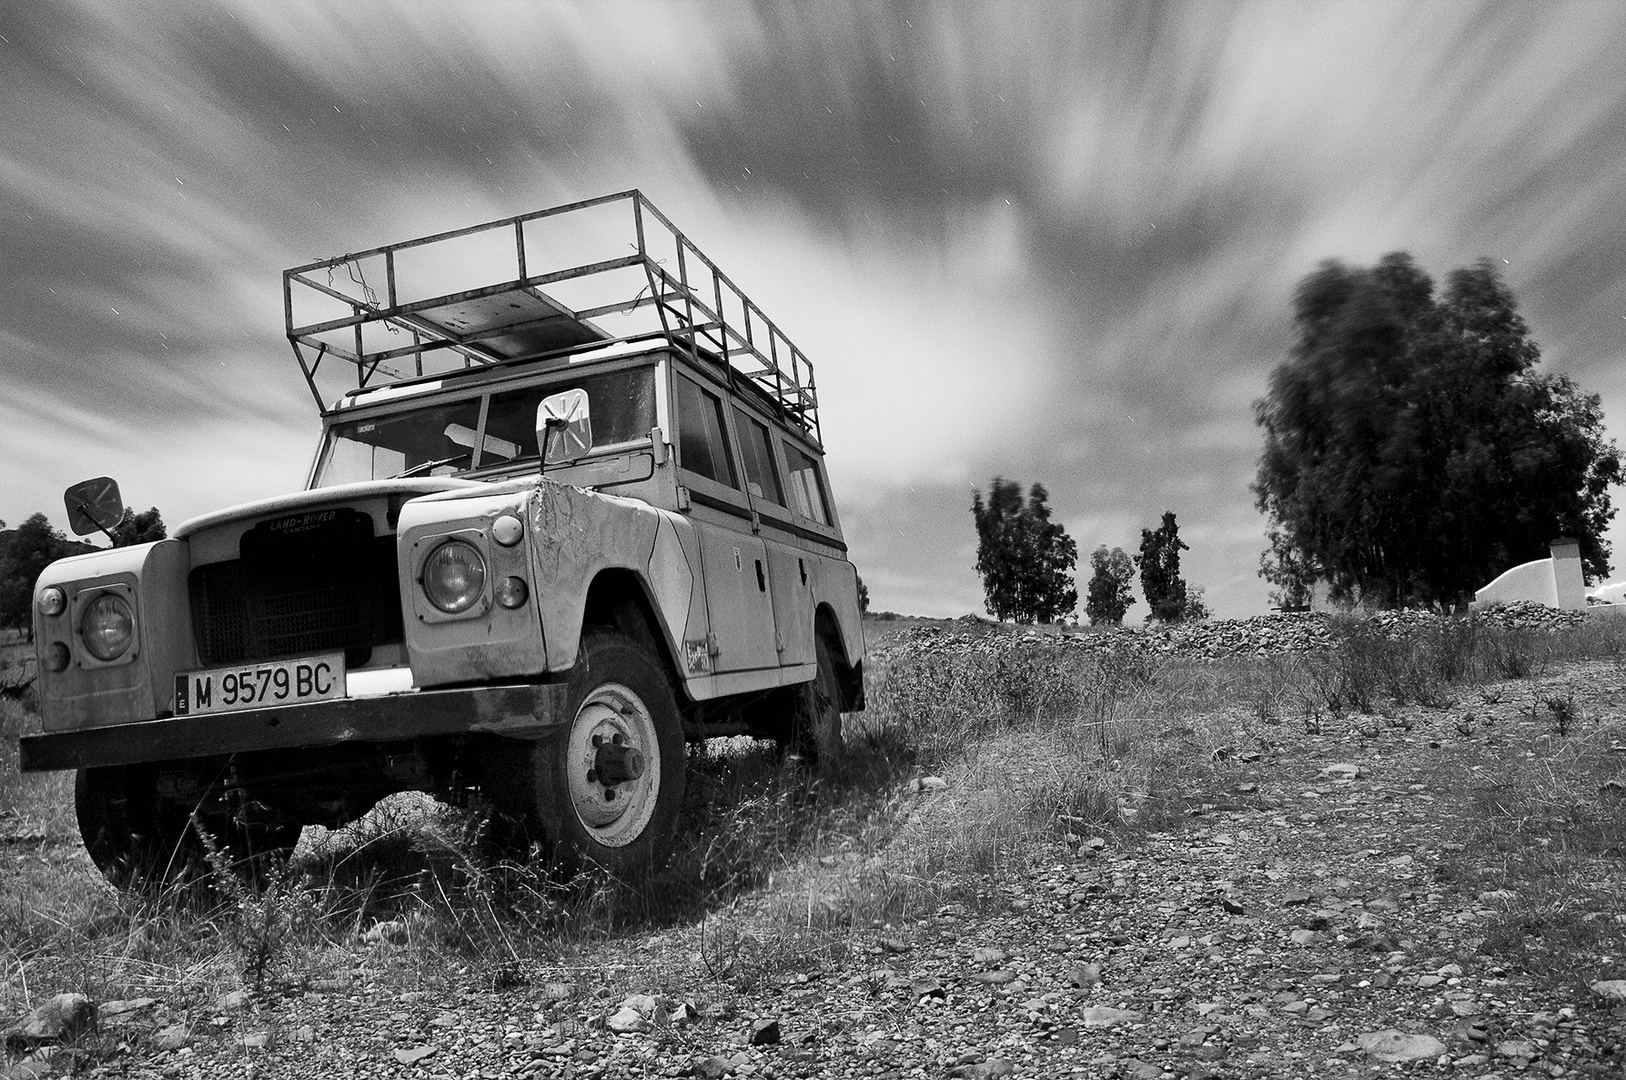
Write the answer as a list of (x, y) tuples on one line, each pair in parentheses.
[(806, 488), (702, 439), (761, 477)]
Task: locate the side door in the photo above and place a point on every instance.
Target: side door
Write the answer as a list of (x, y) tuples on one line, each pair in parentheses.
[(789, 570), (734, 561)]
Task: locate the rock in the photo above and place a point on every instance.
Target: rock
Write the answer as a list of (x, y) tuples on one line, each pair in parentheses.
[(259, 1040), (1396, 1046), (557, 991), (61, 1019), (764, 1033), (928, 783), (1304, 937), (997, 977), (683, 1014), (26, 1069), (1610, 989), (713, 1068), (1343, 770), (232, 1002), (391, 932), (626, 1021), (895, 945), (120, 1010), (1517, 1048), (1084, 976), (983, 1070), (927, 987), (989, 956), (172, 1037), (414, 1055), (1137, 1069), (1105, 1016)]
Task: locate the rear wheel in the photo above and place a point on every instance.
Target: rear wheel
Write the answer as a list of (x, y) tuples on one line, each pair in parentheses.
[(816, 734), (609, 786)]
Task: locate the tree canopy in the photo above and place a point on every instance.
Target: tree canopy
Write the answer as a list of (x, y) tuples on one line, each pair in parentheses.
[(1025, 559), (1412, 450), (24, 552), (1167, 593), (1108, 597), (140, 528)]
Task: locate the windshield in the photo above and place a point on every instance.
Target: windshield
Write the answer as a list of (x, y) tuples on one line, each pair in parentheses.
[(441, 440)]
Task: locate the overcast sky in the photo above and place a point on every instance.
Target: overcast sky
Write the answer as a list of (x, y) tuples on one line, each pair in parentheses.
[(1048, 241)]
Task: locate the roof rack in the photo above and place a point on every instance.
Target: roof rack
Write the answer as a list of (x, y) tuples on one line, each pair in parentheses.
[(548, 283)]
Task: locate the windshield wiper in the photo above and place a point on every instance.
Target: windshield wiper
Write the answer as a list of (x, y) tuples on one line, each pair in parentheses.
[(425, 466)]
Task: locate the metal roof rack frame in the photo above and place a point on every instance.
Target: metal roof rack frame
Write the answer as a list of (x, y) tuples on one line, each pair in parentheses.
[(616, 255)]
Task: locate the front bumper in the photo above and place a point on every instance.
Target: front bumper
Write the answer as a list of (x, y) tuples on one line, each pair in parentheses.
[(523, 711)]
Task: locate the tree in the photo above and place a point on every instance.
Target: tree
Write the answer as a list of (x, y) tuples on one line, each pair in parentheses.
[(1108, 596), (1413, 451), (863, 596), (1286, 568), (1160, 579), (24, 553), (134, 528), (1025, 559)]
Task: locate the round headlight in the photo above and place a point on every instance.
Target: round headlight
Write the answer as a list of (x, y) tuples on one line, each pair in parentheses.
[(108, 627), (53, 601), (454, 576)]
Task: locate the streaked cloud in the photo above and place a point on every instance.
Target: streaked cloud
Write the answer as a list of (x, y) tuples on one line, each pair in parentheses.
[(1051, 241)]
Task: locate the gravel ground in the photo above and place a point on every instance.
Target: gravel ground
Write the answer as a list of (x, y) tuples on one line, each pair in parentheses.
[(1299, 927)]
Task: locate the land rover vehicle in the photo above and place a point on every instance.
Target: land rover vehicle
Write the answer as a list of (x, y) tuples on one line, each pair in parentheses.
[(568, 513)]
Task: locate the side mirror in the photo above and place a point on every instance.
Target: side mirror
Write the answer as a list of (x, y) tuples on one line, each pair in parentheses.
[(94, 506), (564, 427)]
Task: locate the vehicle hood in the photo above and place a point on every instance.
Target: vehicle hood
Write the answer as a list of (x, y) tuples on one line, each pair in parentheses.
[(338, 495)]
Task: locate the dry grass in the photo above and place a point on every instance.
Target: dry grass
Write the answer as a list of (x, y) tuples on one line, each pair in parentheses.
[(775, 870)]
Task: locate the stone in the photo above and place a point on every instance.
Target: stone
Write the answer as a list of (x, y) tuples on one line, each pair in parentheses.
[(1343, 770), (172, 1037), (1137, 1069), (895, 945), (683, 1014), (713, 1068), (928, 783), (927, 987), (62, 1018), (232, 1002), (1303, 937), (1084, 976), (997, 977), (414, 1055), (120, 1011), (1610, 989), (1105, 1016), (26, 1069), (989, 955), (991, 1069), (1516, 1048), (764, 1033), (391, 932), (626, 1021), (1397, 1046), (557, 991)]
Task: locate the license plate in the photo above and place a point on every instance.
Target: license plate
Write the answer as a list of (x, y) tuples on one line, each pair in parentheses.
[(260, 686)]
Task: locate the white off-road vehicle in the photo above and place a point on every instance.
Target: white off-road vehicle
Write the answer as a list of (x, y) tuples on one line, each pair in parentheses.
[(569, 512)]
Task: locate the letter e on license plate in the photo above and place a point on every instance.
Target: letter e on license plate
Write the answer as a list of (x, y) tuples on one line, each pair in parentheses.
[(260, 686)]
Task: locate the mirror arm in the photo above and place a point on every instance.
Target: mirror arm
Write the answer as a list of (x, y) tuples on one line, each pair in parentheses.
[(548, 428), (85, 510)]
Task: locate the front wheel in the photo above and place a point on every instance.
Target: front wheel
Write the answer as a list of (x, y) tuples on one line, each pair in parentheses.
[(610, 785)]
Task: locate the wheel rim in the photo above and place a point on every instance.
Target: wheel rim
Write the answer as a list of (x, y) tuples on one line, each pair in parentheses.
[(613, 765)]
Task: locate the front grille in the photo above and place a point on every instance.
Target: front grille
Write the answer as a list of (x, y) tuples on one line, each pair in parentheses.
[(311, 583)]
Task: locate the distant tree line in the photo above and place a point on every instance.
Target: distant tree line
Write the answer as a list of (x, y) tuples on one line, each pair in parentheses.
[(1026, 561), (35, 544)]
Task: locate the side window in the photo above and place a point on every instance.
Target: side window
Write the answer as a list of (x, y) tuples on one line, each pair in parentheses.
[(761, 477), (702, 439), (806, 489)]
